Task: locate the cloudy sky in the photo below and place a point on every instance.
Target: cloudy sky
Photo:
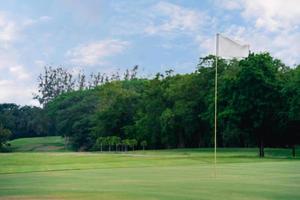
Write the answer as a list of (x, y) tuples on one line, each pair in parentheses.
[(104, 36)]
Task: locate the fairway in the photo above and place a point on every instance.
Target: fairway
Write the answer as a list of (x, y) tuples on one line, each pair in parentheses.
[(50, 143), (169, 174), (149, 100)]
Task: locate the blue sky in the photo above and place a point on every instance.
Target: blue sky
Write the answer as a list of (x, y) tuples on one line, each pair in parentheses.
[(105, 36)]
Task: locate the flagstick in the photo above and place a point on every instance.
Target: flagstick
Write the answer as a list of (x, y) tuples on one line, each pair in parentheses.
[(216, 97)]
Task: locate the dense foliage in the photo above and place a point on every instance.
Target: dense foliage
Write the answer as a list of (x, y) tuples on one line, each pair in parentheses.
[(4, 137), (258, 105), (25, 121)]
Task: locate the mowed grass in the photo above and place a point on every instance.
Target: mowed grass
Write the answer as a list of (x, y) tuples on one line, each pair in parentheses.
[(168, 174), (46, 144)]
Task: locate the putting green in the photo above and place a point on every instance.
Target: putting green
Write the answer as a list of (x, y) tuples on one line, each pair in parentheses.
[(173, 174)]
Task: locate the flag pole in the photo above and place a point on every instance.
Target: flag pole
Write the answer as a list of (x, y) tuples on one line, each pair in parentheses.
[(216, 98)]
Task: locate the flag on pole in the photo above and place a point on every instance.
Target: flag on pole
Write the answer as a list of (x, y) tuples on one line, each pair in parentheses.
[(228, 48)]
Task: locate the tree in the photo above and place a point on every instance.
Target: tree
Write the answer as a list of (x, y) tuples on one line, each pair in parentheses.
[(100, 142), (291, 92), (116, 141), (4, 137), (144, 144), (125, 144), (147, 120), (110, 142), (52, 83), (24, 121), (133, 143), (116, 108), (253, 97), (72, 116)]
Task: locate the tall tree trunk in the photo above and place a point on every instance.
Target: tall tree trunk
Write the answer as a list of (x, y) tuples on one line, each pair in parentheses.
[(66, 142), (261, 149), (101, 147), (143, 148), (109, 148), (116, 147), (294, 151), (181, 141)]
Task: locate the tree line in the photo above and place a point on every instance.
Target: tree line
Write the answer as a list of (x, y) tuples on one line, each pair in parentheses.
[(24, 121), (258, 106), (21, 121), (55, 81)]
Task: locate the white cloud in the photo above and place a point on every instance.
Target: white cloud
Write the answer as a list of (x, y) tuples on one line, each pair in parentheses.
[(15, 92), (273, 15), (287, 47), (96, 52), (8, 29), (19, 72), (268, 25), (275, 27), (11, 27), (15, 82), (10, 64), (270, 15), (206, 44), (170, 18)]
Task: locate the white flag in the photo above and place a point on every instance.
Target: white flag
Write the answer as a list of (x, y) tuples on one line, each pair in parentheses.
[(228, 48)]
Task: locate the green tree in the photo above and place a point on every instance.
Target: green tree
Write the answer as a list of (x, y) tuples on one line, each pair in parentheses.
[(152, 104), (71, 115), (253, 97), (116, 141), (125, 144), (144, 144), (116, 109), (24, 121), (52, 83), (291, 92), (4, 137), (100, 142), (132, 143)]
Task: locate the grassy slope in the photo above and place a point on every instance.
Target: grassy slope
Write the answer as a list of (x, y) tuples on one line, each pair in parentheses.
[(171, 174), (51, 143)]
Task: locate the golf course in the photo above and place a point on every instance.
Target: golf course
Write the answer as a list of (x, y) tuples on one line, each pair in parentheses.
[(150, 174), (150, 100)]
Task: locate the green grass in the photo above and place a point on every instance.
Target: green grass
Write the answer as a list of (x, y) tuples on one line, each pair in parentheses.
[(51, 143), (185, 174)]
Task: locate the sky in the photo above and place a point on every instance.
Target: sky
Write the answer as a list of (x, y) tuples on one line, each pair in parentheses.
[(109, 35)]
